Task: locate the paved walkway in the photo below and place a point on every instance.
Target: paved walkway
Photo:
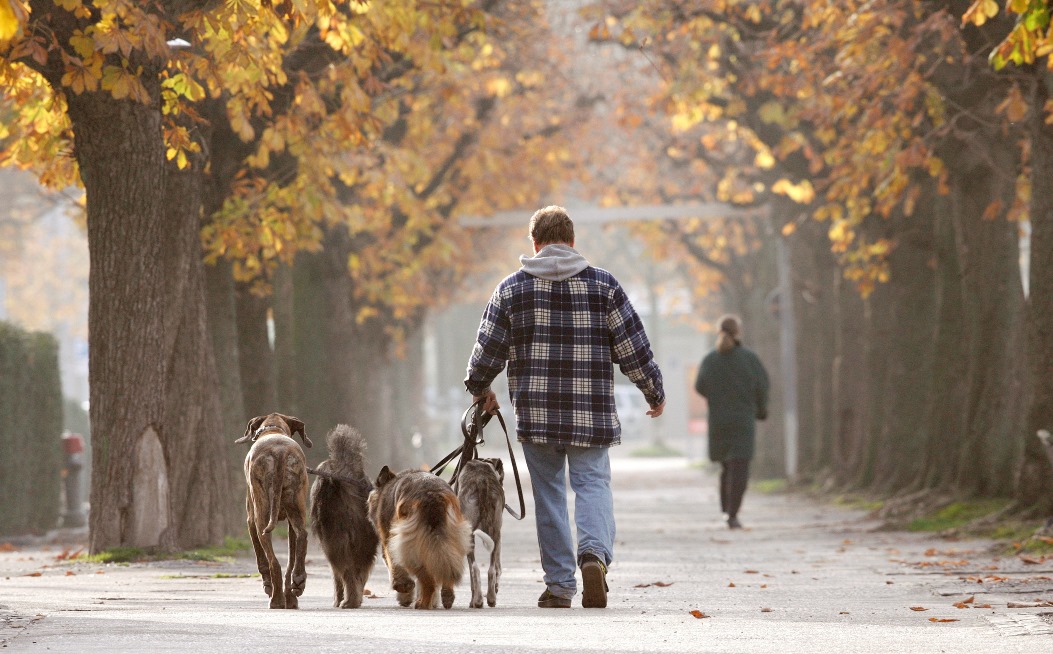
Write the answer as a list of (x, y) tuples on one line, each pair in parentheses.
[(802, 577)]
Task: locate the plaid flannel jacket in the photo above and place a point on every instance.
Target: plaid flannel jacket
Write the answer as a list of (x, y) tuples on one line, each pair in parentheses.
[(559, 340)]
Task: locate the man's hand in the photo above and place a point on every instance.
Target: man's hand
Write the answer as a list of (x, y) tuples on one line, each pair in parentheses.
[(657, 410), (489, 401)]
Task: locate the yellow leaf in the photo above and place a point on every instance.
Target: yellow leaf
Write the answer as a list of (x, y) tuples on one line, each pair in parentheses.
[(10, 23)]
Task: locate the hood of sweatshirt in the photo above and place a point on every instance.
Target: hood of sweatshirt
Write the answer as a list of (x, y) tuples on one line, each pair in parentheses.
[(554, 262)]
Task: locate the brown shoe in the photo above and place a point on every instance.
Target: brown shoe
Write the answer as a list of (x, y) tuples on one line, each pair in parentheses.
[(550, 601), (594, 582)]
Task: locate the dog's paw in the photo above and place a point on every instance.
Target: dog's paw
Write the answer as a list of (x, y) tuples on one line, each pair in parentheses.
[(403, 585), (447, 598), (476, 603), (491, 602), (278, 601), (290, 600), (405, 599)]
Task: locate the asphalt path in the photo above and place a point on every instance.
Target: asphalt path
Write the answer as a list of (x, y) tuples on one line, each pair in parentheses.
[(802, 577)]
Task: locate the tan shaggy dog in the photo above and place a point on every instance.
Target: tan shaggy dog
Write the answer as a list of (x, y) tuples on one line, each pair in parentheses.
[(276, 475), (423, 535)]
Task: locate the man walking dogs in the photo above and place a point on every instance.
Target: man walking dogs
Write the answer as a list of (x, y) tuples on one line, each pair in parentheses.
[(560, 325)]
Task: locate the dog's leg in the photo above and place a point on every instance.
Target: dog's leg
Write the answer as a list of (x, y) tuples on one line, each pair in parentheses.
[(338, 587), (473, 574), (401, 581), (426, 597), (493, 576), (261, 556), (448, 597), (297, 555), (352, 589), (275, 572)]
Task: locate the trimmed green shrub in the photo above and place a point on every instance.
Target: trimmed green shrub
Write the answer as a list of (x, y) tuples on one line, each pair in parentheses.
[(31, 455)]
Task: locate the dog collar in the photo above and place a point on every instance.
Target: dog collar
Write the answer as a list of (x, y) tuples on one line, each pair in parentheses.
[(274, 428)]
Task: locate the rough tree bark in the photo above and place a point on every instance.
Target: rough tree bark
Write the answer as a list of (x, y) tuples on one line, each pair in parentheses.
[(1034, 479)]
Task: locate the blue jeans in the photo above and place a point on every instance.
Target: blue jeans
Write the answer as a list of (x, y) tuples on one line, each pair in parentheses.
[(590, 479)]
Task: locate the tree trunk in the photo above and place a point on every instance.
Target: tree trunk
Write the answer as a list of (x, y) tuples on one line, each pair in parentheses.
[(992, 299), (204, 506), (123, 171), (910, 327), (947, 418), (222, 321), (155, 482), (255, 356), (1034, 480), (848, 380)]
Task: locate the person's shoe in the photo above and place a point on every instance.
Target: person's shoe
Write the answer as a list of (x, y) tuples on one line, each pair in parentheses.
[(733, 523), (550, 601), (594, 582)]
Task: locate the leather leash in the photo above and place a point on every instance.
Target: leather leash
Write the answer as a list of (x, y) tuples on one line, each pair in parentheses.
[(362, 484), (473, 438)]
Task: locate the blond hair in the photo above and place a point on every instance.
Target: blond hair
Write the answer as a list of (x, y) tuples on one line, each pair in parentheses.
[(730, 333)]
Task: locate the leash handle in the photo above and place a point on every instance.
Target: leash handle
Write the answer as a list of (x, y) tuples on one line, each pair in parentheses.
[(473, 438)]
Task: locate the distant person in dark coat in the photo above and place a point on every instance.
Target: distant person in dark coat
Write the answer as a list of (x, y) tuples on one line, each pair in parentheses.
[(735, 384)]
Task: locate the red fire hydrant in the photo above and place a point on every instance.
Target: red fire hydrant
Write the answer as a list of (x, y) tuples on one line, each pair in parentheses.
[(73, 446)]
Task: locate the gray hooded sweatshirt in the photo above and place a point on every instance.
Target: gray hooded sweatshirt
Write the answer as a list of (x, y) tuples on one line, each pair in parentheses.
[(554, 262)]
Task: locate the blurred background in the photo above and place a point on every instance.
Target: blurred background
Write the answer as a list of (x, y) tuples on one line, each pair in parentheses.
[(245, 207)]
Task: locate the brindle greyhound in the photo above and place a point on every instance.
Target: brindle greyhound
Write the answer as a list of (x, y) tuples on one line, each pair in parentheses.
[(276, 475)]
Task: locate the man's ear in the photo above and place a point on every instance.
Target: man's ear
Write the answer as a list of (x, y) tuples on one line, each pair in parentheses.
[(250, 430)]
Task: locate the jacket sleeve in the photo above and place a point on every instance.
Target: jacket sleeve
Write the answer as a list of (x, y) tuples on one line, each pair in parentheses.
[(631, 350), (492, 344), (762, 387)]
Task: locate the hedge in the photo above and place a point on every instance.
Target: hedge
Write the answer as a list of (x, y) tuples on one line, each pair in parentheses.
[(31, 456)]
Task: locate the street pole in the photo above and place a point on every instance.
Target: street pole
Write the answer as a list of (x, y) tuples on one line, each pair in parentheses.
[(787, 350)]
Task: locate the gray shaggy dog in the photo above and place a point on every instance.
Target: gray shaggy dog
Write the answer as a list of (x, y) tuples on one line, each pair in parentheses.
[(339, 517), (481, 492)]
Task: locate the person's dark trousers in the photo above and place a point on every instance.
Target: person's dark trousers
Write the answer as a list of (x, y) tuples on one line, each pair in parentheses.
[(734, 474)]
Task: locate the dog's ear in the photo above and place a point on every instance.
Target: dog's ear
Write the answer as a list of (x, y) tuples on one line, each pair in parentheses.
[(499, 467), (384, 477), (250, 429), (296, 426)]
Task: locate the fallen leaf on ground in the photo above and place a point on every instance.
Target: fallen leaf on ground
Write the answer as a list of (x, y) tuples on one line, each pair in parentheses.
[(731, 585), (663, 584), (1033, 560), (752, 572), (33, 574), (765, 610), (918, 608), (764, 585), (70, 573), (698, 614), (943, 619), (1029, 605), (964, 604), (843, 613), (642, 586), (7, 547)]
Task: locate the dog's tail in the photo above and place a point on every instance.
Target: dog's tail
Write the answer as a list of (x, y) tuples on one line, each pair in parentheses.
[(276, 492), (438, 547), (484, 549), (347, 449)]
